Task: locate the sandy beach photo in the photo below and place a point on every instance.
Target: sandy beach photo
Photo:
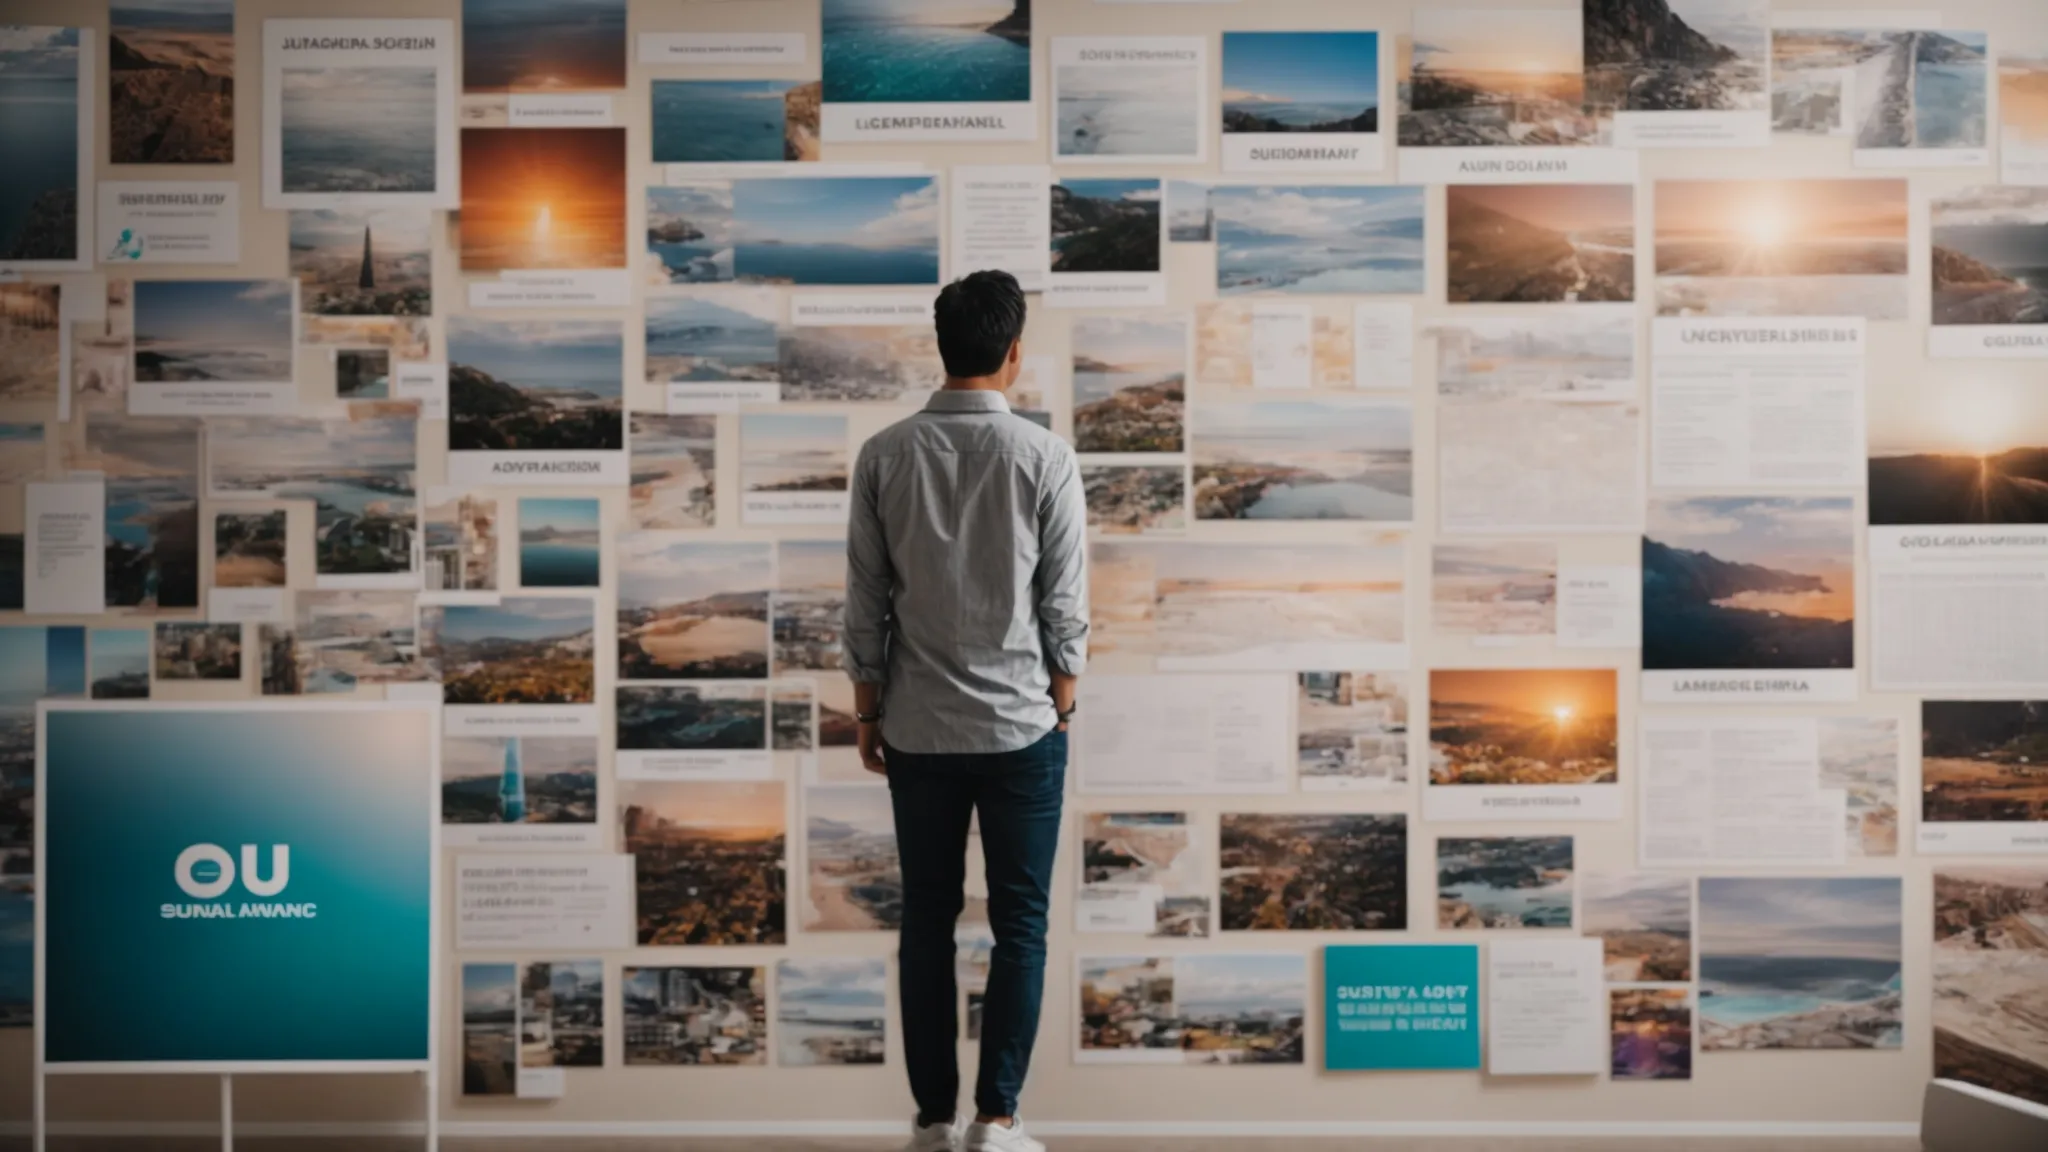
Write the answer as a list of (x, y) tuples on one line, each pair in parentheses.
[(853, 881), (39, 133), (1797, 962), (358, 130), (171, 81), (1749, 582), (1503, 588), (1991, 979), (734, 121), (1540, 243), (543, 45), (1130, 378), (1523, 726), (249, 549), (926, 51), (1644, 921), (1781, 248), (235, 331), (543, 198), (31, 342), (1303, 460), (363, 261), (535, 385), (677, 1015), (1503, 882), (1318, 240), (831, 1012), (1472, 79), (709, 857), (693, 610), (674, 470), (793, 452)]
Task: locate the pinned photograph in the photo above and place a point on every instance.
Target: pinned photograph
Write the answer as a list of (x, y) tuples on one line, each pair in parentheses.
[(48, 144), (1644, 921), (1189, 219), (955, 60), (198, 651), (536, 198), (1503, 882), (1130, 99), (560, 542), (883, 363), (1301, 100), (831, 1012), (1136, 499), (152, 532), (561, 1016), (1351, 731), (249, 549), (1800, 962), (1494, 728), (357, 469), (2023, 111), (792, 716), (1990, 266), (1193, 1009), (358, 261), (794, 468), (1781, 248), (1325, 459), (689, 234), (1980, 765), (340, 641), (211, 332), (1678, 55), (1916, 93), (1650, 1033), (1494, 590), (347, 131), (31, 344), (21, 453), (1130, 383), (674, 469), (735, 121), (1540, 243), (1142, 873), (1313, 872), (362, 374), (1494, 79), (1106, 225), (119, 659), (842, 230), (461, 549), (535, 386), (1973, 453), (103, 352), (519, 780), (725, 334), (695, 1015), (709, 858), (809, 605), (693, 610), (1860, 756), (854, 882), (1990, 976), (1329, 241), (171, 81), (713, 718), (490, 1029), (523, 650), (521, 46)]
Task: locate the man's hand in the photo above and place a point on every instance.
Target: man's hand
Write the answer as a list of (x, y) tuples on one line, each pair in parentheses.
[(871, 749)]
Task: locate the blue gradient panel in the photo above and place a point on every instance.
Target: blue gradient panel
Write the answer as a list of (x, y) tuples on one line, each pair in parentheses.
[(348, 791)]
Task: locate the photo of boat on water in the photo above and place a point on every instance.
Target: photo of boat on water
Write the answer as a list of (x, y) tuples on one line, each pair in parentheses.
[(535, 385), (358, 469), (831, 1011), (233, 331), (1981, 761), (674, 470), (1192, 1009), (839, 230), (1781, 248), (689, 234), (1800, 962), (1106, 225), (1540, 243), (1503, 882), (1328, 240), (693, 609), (1990, 255), (1678, 55), (1975, 453), (543, 45), (40, 135), (152, 533), (1644, 921), (358, 261), (1351, 731), (1325, 459), (1493, 79), (171, 82), (1130, 383), (560, 541), (710, 861), (1749, 582), (853, 880), (1132, 98), (1494, 726), (734, 121), (1991, 979), (926, 51), (535, 198), (358, 130)]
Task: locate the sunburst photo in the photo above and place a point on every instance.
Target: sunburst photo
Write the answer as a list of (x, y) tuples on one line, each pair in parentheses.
[(1781, 248), (543, 198)]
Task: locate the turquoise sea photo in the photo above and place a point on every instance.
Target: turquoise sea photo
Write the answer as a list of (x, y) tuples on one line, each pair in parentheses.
[(839, 230), (927, 51), (689, 233), (559, 542), (39, 132), (1800, 962), (734, 121)]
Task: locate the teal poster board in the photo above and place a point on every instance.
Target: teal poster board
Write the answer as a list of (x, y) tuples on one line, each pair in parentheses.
[(1400, 1006)]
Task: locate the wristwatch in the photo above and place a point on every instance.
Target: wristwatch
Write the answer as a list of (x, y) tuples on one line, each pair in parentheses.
[(1069, 713), (874, 717)]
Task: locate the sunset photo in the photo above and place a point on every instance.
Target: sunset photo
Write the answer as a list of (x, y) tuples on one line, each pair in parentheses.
[(1540, 243), (543, 198), (1749, 582), (1974, 451), (709, 859), (1522, 726), (1781, 248), (1493, 79), (543, 45)]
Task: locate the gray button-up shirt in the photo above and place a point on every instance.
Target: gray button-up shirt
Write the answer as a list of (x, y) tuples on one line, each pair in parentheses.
[(966, 575)]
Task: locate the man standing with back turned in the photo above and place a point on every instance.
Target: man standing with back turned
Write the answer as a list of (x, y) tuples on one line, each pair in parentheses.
[(966, 628)]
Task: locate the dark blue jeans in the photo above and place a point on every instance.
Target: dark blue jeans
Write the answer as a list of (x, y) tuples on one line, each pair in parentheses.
[(1018, 796)]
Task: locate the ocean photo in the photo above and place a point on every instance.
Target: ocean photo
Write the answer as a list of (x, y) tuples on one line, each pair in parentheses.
[(1351, 730), (543, 198), (1303, 460), (1130, 109), (1494, 588), (693, 609), (1990, 258), (1318, 240), (1644, 921), (1492, 79), (543, 45), (519, 780), (734, 121), (535, 385), (559, 542), (358, 130), (1800, 962), (1504, 882), (836, 230), (726, 334), (1975, 452), (171, 82), (31, 343), (119, 659), (1991, 978), (1781, 248), (39, 131), (1924, 90), (1106, 225), (152, 532), (692, 717), (1301, 82), (854, 882), (1678, 55), (235, 331), (1541, 243), (926, 51), (1749, 582), (793, 452), (689, 233), (1496, 726), (358, 470), (674, 471), (831, 1011), (1130, 382), (522, 650)]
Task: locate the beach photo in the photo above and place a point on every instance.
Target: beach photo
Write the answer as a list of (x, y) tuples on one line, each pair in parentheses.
[(1800, 962), (723, 334), (1540, 243), (535, 385), (1126, 856), (1982, 761), (1860, 755), (1130, 383), (1498, 726), (40, 133), (693, 610), (836, 230), (560, 541), (695, 1015), (692, 717), (490, 1029), (1974, 452), (542, 198), (1503, 882), (1303, 460), (1749, 582), (363, 261), (119, 660), (1678, 55), (1644, 921), (793, 452), (1990, 255), (1781, 248), (342, 640), (1351, 731), (1991, 979), (522, 650), (852, 881), (1313, 872), (461, 549), (196, 651), (1136, 98), (358, 130), (926, 51), (831, 1012), (1499, 588), (31, 343), (1193, 1009), (1279, 82), (689, 234), (674, 471), (234, 331), (519, 780), (1106, 225), (1329, 240), (1135, 499), (1650, 1033), (362, 374), (1494, 79), (249, 549), (809, 605), (171, 82), (358, 470), (735, 121), (709, 858), (543, 45), (152, 534), (792, 717), (884, 363)]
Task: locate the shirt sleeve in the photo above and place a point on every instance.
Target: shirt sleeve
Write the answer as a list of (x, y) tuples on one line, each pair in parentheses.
[(870, 579), (1062, 578)]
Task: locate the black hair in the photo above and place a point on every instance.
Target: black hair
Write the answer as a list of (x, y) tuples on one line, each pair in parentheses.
[(979, 317)]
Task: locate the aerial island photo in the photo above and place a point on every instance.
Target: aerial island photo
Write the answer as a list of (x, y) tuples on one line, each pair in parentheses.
[(1800, 962)]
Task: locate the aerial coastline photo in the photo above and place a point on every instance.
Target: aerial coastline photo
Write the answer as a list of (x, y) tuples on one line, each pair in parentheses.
[(560, 542), (1540, 243), (543, 45), (1800, 962), (853, 880), (1503, 882), (713, 716), (358, 261), (1644, 921), (1107, 225), (1193, 1009), (535, 385), (1130, 383), (1991, 978), (1313, 872), (1326, 459), (358, 469), (673, 471), (1823, 247), (1330, 240), (537, 198), (1498, 726), (725, 334), (171, 82), (689, 234), (692, 609), (1472, 79), (358, 130), (734, 121), (1990, 255), (522, 650), (832, 1012), (39, 195), (236, 331), (709, 860), (926, 51), (1678, 55), (836, 230), (1136, 499), (1980, 761), (1749, 582), (1276, 82)]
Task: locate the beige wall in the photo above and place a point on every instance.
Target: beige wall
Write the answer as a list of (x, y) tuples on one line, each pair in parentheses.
[(1761, 1087)]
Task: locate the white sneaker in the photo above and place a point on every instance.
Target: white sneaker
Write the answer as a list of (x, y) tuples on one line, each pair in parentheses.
[(934, 1137), (1000, 1138)]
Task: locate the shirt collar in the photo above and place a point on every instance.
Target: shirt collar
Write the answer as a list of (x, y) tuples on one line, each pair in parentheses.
[(965, 400)]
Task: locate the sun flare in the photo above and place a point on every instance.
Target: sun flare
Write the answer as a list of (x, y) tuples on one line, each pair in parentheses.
[(1562, 714), (1767, 228)]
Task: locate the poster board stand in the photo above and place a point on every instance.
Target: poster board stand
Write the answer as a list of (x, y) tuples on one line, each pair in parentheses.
[(404, 721)]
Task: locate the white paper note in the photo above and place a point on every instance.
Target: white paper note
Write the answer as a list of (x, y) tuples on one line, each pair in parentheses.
[(1546, 1007), (1186, 733), (64, 547), (541, 902), (1002, 219)]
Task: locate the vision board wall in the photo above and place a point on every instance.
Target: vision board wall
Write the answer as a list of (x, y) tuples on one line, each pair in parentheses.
[(1776, 1087)]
